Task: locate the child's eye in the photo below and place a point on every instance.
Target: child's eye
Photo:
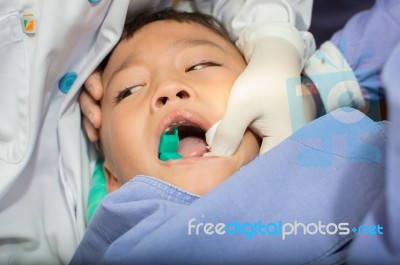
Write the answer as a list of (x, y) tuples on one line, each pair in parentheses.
[(127, 92), (202, 65)]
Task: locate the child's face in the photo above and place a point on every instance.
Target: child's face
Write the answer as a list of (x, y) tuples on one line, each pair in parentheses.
[(178, 72)]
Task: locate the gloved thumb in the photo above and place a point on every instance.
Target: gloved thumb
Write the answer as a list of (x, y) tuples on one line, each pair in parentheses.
[(225, 136)]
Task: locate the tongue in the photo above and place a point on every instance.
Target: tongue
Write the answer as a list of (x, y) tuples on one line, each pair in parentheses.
[(192, 147)]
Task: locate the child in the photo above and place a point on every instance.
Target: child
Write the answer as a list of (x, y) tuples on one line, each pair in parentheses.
[(175, 70)]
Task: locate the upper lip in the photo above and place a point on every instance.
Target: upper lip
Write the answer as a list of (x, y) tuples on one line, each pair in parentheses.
[(183, 116)]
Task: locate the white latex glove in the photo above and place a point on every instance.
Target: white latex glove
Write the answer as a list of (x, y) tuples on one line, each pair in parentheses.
[(275, 53), (334, 79)]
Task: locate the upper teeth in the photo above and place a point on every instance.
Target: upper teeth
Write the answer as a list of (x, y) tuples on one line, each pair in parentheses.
[(174, 125)]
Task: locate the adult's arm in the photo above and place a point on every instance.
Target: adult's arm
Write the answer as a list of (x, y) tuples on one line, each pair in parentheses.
[(385, 249)]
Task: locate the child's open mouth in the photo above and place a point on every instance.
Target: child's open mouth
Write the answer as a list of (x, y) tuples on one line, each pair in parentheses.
[(182, 139), (192, 141)]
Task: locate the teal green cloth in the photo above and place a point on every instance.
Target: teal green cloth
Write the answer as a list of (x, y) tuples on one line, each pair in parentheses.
[(98, 189)]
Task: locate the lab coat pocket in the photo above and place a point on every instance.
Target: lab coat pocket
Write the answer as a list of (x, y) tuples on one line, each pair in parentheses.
[(14, 121)]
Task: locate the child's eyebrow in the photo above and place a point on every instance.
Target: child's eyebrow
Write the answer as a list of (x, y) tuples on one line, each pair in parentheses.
[(125, 64), (188, 43), (179, 44)]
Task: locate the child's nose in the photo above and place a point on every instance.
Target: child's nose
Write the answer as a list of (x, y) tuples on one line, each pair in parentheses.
[(170, 93), (161, 101)]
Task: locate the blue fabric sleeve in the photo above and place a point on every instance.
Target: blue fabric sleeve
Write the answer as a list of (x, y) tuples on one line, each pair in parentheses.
[(385, 249), (144, 203), (366, 42), (330, 171)]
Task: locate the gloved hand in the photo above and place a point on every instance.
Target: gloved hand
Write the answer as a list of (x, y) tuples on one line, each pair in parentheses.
[(259, 99), (89, 101), (335, 80)]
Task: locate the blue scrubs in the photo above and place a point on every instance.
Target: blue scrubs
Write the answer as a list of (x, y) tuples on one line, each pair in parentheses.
[(366, 42), (371, 44), (148, 221), (368, 249)]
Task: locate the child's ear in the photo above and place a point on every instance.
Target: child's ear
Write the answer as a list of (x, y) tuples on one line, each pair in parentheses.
[(112, 181)]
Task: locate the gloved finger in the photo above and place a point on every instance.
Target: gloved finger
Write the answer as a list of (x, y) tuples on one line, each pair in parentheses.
[(270, 142), (231, 129), (91, 131), (90, 109), (94, 86)]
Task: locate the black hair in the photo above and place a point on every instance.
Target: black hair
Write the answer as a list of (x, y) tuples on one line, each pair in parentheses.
[(150, 16)]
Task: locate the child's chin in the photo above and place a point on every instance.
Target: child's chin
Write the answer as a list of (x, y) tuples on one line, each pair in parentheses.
[(199, 175)]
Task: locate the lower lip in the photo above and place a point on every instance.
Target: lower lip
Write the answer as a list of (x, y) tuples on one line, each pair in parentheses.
[(193, 159)]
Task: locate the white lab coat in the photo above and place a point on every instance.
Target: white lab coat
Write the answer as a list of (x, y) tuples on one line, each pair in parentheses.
[(45, 160)]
